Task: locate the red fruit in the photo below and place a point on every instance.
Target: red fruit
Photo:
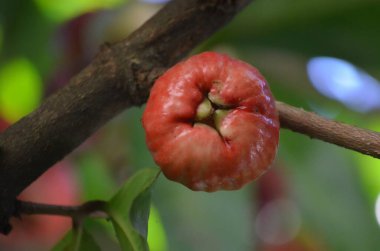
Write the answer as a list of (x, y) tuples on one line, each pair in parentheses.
[(40, 232), (211, 123)]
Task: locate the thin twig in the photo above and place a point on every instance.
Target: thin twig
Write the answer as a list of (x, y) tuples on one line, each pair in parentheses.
[(315, 126), (94, 209)]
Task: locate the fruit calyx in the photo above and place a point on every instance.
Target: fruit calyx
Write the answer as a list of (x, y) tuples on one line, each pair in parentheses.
[(210, 112)]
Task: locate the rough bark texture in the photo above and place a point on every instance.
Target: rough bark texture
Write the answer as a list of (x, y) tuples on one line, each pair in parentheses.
[(347, 136), (119, 77)]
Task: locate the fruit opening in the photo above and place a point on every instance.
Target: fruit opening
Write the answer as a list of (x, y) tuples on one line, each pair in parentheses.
[(211, 113)]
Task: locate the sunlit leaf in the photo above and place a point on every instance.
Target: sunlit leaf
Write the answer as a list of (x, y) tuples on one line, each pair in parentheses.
[(20, 89), (156, 232), (129, 210), (77, 240), (63, 10)]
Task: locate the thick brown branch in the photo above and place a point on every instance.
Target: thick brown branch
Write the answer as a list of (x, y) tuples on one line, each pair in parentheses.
[(119, 77), (351, 137)]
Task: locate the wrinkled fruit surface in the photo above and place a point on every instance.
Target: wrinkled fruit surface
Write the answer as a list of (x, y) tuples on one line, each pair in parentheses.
[(211, 123)]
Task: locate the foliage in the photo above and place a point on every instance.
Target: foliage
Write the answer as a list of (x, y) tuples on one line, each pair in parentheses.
[(128, 210)]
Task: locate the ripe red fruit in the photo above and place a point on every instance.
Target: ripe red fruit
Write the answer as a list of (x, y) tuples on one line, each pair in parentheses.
[(211, 123)]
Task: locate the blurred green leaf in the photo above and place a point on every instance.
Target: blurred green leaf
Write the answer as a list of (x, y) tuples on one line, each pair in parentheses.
[(370, 169), (77, 240), (96, 180), (20, 89), (1, 37), (31, 37), (129, 210), (64, 243), (63, 10), (138, 152), (326, 185)]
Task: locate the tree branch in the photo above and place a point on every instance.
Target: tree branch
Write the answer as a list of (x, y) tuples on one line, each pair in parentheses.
[(347, 136), (94, 208), (119, 77)]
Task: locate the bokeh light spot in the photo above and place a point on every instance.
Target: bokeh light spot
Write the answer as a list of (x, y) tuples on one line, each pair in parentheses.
[(20, 89), (278, 222), (342, 81), (60, 11)]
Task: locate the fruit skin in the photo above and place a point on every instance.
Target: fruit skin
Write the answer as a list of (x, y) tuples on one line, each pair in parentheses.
[(236, 148)]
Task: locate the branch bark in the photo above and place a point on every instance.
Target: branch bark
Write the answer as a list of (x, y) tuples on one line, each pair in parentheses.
[(119, 77), (347, 136), (94, 208)]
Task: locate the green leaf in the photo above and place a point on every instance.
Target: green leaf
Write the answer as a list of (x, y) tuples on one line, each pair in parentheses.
[(157, 239), (129, 210), (77, 240)]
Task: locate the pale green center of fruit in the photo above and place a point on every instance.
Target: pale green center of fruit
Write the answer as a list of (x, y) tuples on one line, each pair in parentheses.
[(211, 111)]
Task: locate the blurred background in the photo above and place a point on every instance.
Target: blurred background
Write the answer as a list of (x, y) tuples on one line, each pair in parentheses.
[(321, 55)]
